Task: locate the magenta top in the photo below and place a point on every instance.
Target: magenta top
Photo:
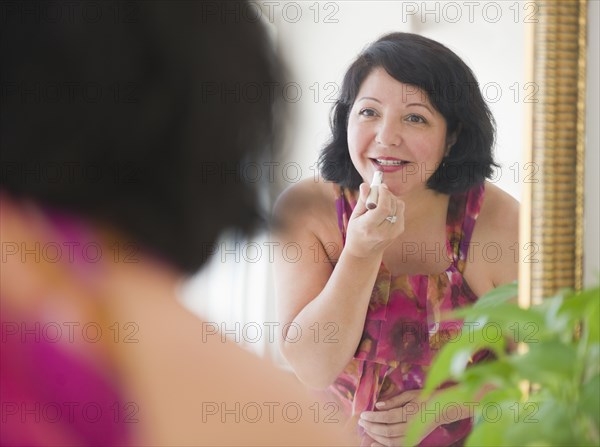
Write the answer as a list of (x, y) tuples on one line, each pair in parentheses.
[(54, 391), (403, 331)]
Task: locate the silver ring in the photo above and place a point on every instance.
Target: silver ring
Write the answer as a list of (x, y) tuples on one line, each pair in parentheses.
[(391, 219)]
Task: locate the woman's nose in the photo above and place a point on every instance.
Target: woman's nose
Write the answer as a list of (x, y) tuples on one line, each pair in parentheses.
[(388, 133)]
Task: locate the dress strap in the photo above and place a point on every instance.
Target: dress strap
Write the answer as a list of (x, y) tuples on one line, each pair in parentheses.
[(463, 210), (344, 205)]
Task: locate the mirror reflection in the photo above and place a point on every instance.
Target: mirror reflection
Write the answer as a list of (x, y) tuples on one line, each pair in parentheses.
[(404, 250)]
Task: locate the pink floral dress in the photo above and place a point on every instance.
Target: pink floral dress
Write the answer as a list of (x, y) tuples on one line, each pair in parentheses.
[(402, 330)]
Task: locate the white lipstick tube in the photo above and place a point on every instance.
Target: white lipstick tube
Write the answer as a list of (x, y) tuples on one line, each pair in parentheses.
[(374, 193)]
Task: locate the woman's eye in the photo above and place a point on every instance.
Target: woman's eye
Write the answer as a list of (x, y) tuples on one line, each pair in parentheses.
[(367, 112), (416, 119)]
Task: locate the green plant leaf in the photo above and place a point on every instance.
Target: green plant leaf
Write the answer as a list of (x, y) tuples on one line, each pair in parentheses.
[(454, 357), (557, 322), (522, 325), (578, 303), (590, 401), (499, 396), (489, 434), (501, 294), (493, 372), (548, 363), (552, 423), (562, 362), (492, 424), (592, 362), (586, 305), (542, 426), (444, 401), (593, 322)]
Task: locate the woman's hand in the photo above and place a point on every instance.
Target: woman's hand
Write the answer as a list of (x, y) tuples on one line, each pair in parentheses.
[(388, 425), (368, 230)]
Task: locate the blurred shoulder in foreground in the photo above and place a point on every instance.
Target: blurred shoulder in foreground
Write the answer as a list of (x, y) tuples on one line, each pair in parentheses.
[(122, 136)]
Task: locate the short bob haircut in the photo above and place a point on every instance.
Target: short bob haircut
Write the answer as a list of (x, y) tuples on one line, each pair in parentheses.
[(452, 89), (140, 121)]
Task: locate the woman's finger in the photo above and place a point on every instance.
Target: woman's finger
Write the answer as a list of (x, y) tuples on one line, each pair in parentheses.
[(385, 430), (391, 416), (384, 206), (361, 207), (388, 442), (398, 401)]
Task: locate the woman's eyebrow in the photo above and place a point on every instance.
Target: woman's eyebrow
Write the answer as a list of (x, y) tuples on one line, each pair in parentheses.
[(407, 105), (371, 98), (420, 104)]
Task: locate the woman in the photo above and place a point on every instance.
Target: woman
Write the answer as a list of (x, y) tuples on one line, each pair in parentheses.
[(375, 281), (119, 136)]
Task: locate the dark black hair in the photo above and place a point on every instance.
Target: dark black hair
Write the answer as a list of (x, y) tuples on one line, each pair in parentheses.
[(452, 89), (140, 115)]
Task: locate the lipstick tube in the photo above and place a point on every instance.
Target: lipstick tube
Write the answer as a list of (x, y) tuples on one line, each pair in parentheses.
[(374, 193)]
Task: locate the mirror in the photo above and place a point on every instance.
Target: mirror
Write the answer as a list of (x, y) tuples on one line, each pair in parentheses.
[(521, 57), (529, 59)]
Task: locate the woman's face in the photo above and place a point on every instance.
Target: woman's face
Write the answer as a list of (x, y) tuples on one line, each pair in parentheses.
[(394, 128)]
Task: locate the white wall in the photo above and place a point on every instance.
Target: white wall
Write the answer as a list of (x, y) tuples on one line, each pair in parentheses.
[(490, 37)]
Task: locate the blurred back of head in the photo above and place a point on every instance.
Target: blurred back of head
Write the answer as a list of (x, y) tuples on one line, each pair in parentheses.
[(131, 114)]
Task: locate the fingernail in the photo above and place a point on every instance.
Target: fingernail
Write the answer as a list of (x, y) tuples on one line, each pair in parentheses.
[(380, 404)]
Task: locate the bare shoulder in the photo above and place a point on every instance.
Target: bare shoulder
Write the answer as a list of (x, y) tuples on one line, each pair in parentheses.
[(494, 246), (308, 204), (499, 214)]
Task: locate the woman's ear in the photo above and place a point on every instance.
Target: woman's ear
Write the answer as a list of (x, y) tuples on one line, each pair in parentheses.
[(451, 139)]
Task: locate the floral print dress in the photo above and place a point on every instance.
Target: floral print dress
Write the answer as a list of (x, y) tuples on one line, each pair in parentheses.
[(402, 330)]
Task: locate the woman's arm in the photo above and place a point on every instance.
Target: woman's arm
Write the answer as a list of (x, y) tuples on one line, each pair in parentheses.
[(327, 303)]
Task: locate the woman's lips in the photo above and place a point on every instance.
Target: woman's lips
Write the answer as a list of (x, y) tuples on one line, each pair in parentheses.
[(387, 164)]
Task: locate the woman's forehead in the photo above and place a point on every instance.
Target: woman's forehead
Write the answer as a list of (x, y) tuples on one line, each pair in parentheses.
[(379, 85)]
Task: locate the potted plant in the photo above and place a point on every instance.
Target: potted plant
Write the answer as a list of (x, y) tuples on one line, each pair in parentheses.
[(546, 392)]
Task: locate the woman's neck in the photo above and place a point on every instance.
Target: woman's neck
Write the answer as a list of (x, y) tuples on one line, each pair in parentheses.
[(423, 205)]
